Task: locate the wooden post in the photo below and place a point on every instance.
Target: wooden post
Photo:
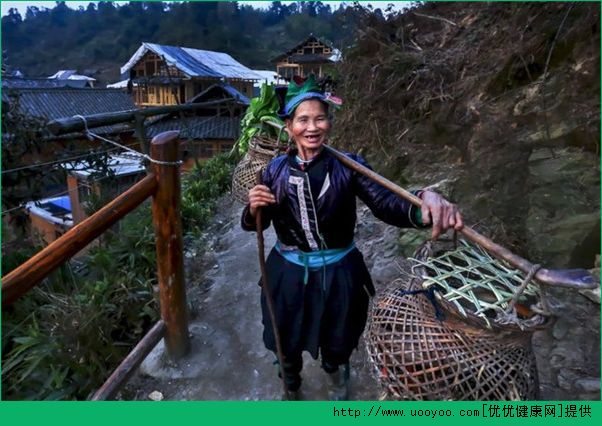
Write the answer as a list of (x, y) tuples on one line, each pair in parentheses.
[(168, 231), (139, 124)]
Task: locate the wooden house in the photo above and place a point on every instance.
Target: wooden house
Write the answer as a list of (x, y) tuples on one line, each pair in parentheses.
[(72, 75), (49, 218), (169, 75), (36, 100), (208, 131), (311, 56), (83, 183), (39, 101)]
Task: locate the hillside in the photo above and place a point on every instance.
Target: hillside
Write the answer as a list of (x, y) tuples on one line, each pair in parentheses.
[(498, 106)]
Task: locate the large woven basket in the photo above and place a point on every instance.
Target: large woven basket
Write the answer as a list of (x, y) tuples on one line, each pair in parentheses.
[(418, 356), (261, 151)]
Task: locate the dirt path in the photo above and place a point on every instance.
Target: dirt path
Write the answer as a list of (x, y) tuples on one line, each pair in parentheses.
[(228, 360)]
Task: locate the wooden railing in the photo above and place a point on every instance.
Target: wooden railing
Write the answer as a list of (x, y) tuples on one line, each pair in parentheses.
[(163, 185)]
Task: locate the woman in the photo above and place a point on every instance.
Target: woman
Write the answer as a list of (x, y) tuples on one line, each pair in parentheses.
[(319, 281)]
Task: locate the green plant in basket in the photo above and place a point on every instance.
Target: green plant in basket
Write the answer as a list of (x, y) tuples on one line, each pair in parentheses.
[(263, 108)]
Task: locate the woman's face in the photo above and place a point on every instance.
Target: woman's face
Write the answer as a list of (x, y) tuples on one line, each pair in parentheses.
[(309, 125)]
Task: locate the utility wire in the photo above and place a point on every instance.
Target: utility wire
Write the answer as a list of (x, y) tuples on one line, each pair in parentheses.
[(58, 194), (65, 160)]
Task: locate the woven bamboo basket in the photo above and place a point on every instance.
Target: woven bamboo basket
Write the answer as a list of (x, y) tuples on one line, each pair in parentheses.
[(261, 151), (418, 355)]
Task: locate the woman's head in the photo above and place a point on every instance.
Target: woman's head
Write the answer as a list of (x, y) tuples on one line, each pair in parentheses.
[(299, 90), (306, 112), (309, 125)]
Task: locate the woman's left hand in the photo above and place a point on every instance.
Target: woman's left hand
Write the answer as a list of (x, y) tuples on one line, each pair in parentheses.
[(439, 212)]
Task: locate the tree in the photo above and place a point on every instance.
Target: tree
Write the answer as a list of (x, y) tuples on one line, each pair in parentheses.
[(31, 12)]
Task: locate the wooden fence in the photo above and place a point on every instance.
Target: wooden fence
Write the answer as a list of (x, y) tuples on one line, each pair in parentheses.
[(162, 184)]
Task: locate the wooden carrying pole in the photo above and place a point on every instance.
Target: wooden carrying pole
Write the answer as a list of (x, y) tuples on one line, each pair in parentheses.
[(168, 230), (569, 278), (20, 280), (123, 372)]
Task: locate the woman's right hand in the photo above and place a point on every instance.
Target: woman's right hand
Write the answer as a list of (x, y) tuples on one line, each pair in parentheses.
[(260, 196)]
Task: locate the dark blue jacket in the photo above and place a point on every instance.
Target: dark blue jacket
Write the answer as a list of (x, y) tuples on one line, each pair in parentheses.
[(329, 222)]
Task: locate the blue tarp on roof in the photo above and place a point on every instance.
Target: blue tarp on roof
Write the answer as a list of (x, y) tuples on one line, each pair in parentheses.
[(214, 91), (236, 94), (194, 62), (63, 202)]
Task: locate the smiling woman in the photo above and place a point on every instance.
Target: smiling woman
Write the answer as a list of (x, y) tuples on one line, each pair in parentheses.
[(318, 281)]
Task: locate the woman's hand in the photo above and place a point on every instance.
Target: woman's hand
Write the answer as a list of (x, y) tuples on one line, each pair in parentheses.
[(441, 213), (260, 196)]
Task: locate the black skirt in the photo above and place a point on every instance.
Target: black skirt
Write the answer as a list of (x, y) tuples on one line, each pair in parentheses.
[(327, 314)]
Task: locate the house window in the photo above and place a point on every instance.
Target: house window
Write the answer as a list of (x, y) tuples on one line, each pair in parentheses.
[(225, 147), (206, 150), (150, 68)]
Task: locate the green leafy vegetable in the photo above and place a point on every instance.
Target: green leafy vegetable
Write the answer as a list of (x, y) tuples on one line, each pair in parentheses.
[(263, 108)]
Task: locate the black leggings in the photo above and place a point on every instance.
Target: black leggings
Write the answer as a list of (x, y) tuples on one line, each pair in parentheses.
[(294, 364)]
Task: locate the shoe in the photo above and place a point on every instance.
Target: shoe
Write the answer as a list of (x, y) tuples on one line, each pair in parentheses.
[(339, 380)]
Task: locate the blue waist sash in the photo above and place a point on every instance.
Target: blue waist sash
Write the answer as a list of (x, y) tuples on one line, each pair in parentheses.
[(313, 259)]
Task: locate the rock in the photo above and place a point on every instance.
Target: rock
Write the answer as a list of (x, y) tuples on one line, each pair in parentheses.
[(593, 295), (566, 379), (561, 328), (588, 384), (155, 396)]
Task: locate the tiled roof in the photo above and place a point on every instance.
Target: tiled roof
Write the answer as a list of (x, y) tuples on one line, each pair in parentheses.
[(52, 104), (198, 127), (39, 83)]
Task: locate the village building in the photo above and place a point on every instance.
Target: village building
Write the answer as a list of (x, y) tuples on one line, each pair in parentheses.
[(52, 217), (48, 104), (14, 82), (170, 75), (71, 75), (311, 56), (205, 132), (271, 78)]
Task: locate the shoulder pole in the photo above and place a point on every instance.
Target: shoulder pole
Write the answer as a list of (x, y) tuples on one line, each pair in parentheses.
[(268, 293)]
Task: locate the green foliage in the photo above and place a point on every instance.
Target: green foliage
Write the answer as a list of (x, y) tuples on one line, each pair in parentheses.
[(103, 38), (262, 108), (200, 188), (63, 339)]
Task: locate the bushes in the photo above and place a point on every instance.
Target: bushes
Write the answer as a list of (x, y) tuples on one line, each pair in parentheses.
[(63, 339), (201, 187)]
